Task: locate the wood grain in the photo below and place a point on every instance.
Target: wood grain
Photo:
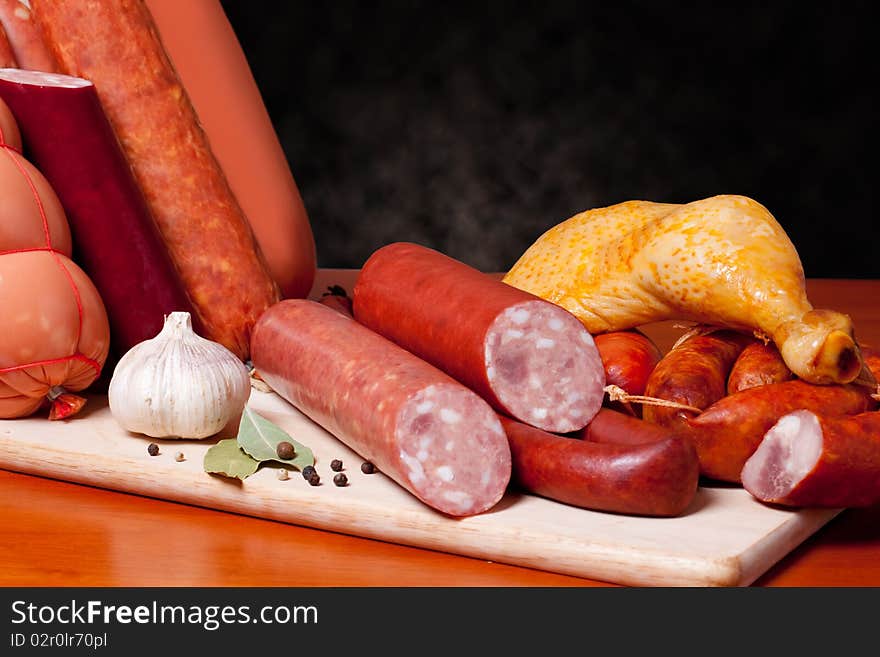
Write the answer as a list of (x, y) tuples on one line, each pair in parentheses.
[(79, 535)]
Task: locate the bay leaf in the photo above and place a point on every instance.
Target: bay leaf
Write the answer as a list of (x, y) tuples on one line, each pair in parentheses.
[(228, 459), (259, 438)]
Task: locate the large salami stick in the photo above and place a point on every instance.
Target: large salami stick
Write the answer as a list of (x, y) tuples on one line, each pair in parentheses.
[(114, 44), (652, 478), (69, 139), (25, 39), (807, 459), (529, 358), (224, 93), (426, 431)]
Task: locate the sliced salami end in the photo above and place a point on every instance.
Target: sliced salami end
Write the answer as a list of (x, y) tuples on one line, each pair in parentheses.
[(453, 450), (544, 367), (43, 79), (788, 453)]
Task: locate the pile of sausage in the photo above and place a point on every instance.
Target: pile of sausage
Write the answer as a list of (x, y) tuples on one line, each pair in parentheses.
[(458, 385)]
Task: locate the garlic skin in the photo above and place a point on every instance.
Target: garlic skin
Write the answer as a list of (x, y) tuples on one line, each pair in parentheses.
[(178, 384)]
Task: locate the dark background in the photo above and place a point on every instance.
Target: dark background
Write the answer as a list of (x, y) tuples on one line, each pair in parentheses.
[(474, 128)]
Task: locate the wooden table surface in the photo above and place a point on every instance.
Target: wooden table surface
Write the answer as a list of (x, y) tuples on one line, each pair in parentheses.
[(54, 533)]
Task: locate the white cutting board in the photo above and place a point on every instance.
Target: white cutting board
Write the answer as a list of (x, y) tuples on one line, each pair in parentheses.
[(726, 538)]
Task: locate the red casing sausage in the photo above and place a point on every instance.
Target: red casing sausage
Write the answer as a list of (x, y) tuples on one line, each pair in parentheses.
[(527, 357), (653, 479), (757, 365), (116, 241), (629, 358), (428, 432), (115, 45), (811, 460), (693, 373), (728, 432), (610, 426)]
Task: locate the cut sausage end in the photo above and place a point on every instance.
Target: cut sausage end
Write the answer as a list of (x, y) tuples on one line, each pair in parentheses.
[(786, 455), (42, 79), (453, 450), (544, 367)]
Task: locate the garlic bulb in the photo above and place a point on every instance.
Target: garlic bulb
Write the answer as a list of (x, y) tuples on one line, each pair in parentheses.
[(178, 384)]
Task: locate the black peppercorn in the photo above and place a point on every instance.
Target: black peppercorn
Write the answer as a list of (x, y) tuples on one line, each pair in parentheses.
[(152, 449), (340, 480), (336, 465), (285, 450), (367, 467), (308, 471), (314, 479)]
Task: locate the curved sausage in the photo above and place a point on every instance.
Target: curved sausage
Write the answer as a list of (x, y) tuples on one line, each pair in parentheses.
[(610, 426), (219, 82), (653, 479), (429, 433), (693, 373), (25, 38), (527, 357), (727, 433), (808, 459), (629, 357), (115, 46), (757, 365), (117, 243)]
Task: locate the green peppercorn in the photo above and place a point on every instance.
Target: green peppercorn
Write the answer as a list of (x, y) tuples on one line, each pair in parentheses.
[(367, 467), (340, 479), (285, 450), (336, 465)]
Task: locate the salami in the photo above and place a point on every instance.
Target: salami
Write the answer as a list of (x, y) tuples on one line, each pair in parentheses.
[(429, 433), (807, 459), (117, 244), (527, 357), (115, 46)]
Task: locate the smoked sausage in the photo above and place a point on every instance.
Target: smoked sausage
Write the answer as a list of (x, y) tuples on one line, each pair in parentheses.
[(693, 373), (610, 426), (629, 357), (527, 357), (727, 433), (757, 365), (428, 432), (219, 82), (115, 46), (812, 460), (117, 244), (657, 478), (25, 39)]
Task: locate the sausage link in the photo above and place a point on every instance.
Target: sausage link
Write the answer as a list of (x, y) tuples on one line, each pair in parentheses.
[(527, 357), (758, 365), (693, 373), (7, 58), (652, 479), (429, 433), (629, 357), (610, 426), (115, 45), (25, 39), (728, 432), (812, 460)]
